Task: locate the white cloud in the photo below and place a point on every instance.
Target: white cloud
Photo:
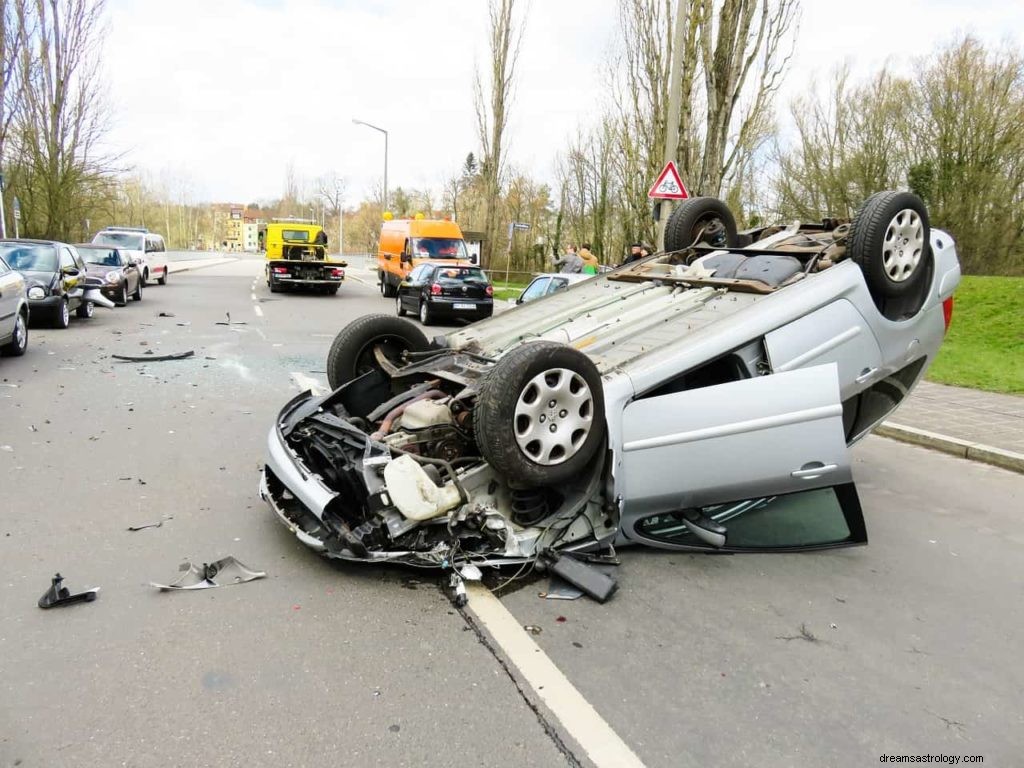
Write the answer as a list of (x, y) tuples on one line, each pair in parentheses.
[(229, 92)]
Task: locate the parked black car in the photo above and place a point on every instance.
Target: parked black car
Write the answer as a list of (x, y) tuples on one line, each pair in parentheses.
[(55, 275), (434, 291), (118, 271)]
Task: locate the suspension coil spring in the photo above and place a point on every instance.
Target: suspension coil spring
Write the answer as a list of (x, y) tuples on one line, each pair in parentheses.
[(529, 505)]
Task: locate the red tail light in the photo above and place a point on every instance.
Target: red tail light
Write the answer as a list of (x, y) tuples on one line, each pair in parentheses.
[(280, 270), (947, 312), (435, 290), (489, 290), (338, 272)]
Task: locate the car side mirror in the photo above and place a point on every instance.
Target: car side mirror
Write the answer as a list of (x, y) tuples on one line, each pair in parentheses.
[(69, 271), (406, 258)]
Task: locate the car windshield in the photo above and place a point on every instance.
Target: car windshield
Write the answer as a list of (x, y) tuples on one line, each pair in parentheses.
[(439, 248), (295, 235), (130, 240), (30, 257), (461, 275), (102, 256)]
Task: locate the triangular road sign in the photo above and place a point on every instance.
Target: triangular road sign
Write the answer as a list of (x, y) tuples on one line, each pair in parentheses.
[(669, 185)]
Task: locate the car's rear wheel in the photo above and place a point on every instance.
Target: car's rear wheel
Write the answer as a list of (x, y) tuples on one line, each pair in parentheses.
[(399, 309), (19, 341), (697, 220), (62, 315), (354, 350), (426, 316), (162, 280), (387, 290), (889, 240), (539, 418), (85, 310)]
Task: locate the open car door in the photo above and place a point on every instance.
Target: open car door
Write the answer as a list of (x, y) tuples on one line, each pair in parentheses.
[(752, 465)]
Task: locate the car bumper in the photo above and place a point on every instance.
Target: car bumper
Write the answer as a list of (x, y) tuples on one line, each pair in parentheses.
[(47, 305), (462, 307)]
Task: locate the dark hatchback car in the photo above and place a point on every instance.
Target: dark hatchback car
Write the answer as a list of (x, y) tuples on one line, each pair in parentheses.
[(54, 274), (451, 291), (118, 271)]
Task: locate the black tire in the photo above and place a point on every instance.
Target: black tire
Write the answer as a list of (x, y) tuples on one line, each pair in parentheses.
[(122, 300), (426, 316), (273, 285), (387, 290), (332, 290), (691, 216), (62, 315), (138, 290), (399, 309), (513, 443), (352, 354), (163, 280), (84, 310), (145, 276), (889, 240), (19, 342)]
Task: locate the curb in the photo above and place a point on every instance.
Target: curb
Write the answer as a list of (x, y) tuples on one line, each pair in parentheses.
[(192, 266), (964, 449)]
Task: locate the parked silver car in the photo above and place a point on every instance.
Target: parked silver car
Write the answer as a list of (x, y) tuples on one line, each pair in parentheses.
[(701, 399), (13, 311)]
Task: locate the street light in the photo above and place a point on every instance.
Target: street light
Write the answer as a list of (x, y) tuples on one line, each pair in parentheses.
[(368, 125)]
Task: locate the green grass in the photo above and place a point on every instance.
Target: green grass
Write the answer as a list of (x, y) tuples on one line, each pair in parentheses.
[(509, 290), (984, 348)]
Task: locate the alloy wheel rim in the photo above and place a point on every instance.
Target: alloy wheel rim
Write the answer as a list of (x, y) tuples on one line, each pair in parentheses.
[(398, 304), (20, 337), (903, 245), (65, 313), (553, 416), (423, 312)]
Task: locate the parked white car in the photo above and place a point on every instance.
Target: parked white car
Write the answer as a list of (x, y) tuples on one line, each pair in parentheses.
[(146, 250)]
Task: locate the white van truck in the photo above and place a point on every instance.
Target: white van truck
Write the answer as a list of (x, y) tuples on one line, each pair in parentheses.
[(143, 247)]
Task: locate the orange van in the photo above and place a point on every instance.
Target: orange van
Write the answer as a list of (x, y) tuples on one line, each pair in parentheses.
[(404, 243)]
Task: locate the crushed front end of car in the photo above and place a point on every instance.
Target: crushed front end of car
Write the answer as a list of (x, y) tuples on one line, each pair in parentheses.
[(387, 469)]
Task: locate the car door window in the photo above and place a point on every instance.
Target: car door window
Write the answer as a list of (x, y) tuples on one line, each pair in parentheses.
[(3, 268), (814, 519), (536, 289), (66, 259), (79, 261), (557, 284)]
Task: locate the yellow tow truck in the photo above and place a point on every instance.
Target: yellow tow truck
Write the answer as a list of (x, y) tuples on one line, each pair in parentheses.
[(297, 257)]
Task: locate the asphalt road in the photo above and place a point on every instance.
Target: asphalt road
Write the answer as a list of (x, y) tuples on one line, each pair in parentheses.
[(907, 646)]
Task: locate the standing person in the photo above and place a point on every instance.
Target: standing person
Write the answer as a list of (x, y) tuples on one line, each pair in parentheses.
[(591, 265), (634, 253), (646, 250), (570, 262)]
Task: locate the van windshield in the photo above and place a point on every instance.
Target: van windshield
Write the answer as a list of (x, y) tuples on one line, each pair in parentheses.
[(131, 241), (438, 248)]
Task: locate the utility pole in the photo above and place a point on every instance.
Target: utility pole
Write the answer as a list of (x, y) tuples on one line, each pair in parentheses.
[(672, 119), (3, 221), (341, 220)]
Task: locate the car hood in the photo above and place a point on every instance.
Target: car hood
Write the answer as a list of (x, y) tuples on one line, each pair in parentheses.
[(100, 269), (34, 277)]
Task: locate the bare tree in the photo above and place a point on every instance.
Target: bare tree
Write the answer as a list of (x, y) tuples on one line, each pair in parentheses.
[(492, 101), (13, 33)]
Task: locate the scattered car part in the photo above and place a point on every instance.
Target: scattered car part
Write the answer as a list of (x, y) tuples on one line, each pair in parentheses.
[(58, 594), (220, 573), (595, 583), (134, 528), (154, 358)]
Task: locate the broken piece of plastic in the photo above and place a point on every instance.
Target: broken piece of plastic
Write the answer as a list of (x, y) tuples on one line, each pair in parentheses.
[(154, 358), (58, 595), (220, 573)]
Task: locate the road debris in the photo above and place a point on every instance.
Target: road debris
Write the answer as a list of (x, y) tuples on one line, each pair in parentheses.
[(165, 314), (151, 358), (220, 573), (533, 629), (58, 595), (236, 322), (143, 527)]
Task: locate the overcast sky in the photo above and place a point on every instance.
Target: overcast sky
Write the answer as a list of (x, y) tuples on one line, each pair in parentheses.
[(227, 93)]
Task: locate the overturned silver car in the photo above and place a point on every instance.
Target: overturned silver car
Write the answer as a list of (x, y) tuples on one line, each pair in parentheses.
[(701, 399)]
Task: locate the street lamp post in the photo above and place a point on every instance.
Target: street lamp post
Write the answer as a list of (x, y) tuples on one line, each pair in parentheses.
[(376, 128)]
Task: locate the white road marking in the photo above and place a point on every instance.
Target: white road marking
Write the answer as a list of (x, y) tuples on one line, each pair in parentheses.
[(253, 294), (576, 714), (308, 382), (356, 278), (258, 310)]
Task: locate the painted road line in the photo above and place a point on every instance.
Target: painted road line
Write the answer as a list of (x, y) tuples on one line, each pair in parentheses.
[(308, 382), (575, 713), (253, 294), (258, 310), (357, 279)]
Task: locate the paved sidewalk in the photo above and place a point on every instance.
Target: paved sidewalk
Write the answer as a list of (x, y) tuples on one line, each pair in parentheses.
[(967, 422)]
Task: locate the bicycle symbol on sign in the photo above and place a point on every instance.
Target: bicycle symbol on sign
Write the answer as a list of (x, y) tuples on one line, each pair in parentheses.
[(668, 185)]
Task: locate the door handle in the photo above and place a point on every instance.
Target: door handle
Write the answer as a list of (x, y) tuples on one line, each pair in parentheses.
[(812, 470), (866, 374)]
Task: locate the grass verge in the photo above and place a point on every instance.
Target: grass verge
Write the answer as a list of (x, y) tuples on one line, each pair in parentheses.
[(984, 348)]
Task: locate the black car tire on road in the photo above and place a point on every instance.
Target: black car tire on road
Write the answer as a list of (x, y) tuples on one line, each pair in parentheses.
[(122, 300), (399, 309), (686, 222), (163, 280), (352, 351), (62, 314), (138, 290), (19, 342), (889, 240), (426, 316), (85, 310), (387, 290), (533, 392)]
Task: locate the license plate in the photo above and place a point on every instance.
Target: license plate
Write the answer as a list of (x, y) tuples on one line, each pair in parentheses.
[(464, 306)]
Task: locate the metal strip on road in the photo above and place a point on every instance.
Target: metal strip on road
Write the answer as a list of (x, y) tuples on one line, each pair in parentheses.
[(579, 718)]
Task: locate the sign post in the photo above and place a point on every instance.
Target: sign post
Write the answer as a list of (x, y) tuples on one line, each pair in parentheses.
[(17, 216), (668, 186), (513, 227), (3, 219)]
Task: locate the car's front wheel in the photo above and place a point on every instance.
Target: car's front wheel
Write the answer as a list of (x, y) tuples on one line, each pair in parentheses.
[(85, 310), (354, 350), (62, 315), (539, 418), (122, 300), (138, 291), (19, 341)]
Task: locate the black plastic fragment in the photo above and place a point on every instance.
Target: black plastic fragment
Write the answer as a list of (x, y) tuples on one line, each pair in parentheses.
[(58, 595), (593, 582)]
